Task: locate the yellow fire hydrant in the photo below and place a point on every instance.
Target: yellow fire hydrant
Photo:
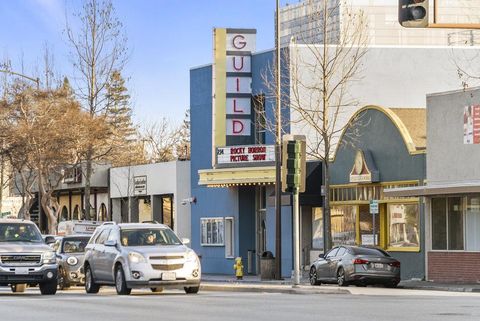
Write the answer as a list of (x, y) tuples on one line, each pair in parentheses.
[(238, 268)]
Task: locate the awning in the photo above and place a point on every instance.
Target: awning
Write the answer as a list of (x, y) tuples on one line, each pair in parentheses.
[(437, 189), (225, 177)]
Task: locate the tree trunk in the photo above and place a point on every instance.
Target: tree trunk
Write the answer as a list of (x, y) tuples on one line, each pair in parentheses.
[(88, 176), (50, 212), (327, 226)]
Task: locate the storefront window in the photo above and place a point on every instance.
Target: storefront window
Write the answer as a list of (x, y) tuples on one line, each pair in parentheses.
[(447, 223), (366, 226), (212, 231), (404, 225), (167, 213), (439, 223), (473, 223), (455, 223), (343, 224), (317, 228)]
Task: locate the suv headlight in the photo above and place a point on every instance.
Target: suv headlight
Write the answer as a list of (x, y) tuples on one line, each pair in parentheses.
[(135, 257), (49, 257), (191, 256), (72, 260)]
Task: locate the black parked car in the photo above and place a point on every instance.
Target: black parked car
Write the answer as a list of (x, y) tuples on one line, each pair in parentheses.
[(357, 265)]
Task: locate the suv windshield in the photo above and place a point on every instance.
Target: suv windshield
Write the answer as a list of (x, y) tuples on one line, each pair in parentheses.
[(19, 232), (75, 245), (148, 237)]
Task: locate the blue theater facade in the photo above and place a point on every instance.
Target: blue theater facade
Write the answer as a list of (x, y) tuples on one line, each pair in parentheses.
[(232, 162)]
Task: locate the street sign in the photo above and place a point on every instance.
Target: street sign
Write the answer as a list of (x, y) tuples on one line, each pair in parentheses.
[(374, 207)]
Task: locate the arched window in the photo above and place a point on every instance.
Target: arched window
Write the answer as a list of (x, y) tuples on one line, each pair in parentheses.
[(63, 214), (75, 213), (102, 214)]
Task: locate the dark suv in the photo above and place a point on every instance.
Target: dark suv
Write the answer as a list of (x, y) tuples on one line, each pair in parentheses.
[(25, 258)]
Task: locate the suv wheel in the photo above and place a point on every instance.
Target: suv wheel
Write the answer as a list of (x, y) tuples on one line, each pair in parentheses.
[(191, 290), (120, 282), (90, 285), (18, 288), (62, 279), (49, 288)]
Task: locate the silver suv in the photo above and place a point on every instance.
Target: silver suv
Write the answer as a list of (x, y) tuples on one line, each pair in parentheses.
[(25, 258), (139, 255)]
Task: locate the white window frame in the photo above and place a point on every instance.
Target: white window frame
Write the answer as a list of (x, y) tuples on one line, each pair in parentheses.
[(229, 240), (207, 220)]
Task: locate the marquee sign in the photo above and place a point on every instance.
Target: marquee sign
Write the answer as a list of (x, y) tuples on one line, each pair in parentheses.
[(232, 84), (245, 154)]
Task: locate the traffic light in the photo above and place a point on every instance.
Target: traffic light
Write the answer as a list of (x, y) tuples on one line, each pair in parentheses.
[(293, 163), (413, 13)]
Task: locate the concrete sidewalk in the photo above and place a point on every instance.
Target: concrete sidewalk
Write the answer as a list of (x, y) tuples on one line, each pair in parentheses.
[(216, 282)]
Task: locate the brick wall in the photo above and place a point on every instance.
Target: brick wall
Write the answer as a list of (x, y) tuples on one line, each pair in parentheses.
[(454, 267)]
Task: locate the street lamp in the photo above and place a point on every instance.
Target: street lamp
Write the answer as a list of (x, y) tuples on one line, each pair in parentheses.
[(36, 80)]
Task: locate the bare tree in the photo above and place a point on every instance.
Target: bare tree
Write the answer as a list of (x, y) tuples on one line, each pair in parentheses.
[(318, 82), (161, 141), (99, 49)]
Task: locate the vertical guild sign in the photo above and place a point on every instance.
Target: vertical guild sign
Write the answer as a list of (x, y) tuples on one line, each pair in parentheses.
[(232, 84)]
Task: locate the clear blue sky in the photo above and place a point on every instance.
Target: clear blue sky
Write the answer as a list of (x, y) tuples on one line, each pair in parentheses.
[(165, 38)]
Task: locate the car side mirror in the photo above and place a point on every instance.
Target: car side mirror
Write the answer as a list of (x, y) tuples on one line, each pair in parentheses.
[(49, 240), (185, 241), (111, 243), (322, 256)]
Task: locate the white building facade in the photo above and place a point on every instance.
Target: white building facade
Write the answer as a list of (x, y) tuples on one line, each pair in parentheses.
[(153, 192)]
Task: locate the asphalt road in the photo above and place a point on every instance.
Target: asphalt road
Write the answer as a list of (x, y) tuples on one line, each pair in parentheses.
[(371, 304)]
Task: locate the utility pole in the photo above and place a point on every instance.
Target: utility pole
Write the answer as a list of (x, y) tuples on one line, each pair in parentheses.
[(278, 154)]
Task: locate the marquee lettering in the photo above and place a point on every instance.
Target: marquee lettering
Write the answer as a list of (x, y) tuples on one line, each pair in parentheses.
[(237, 126), (235, 64), (235, 110), (239, 42)]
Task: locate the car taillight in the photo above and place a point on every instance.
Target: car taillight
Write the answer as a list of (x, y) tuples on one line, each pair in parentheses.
[(360, 261), (395, 264)]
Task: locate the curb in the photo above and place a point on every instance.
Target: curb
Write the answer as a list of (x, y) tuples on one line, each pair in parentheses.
[(270, 289), (441, 288)]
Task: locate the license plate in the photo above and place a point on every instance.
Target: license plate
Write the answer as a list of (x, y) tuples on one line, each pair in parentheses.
[(169, 276), (378, 265), (21, 271)]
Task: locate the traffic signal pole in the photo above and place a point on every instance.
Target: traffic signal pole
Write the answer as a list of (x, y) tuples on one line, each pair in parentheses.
[(278, 153), (293, 181), (296, 238)]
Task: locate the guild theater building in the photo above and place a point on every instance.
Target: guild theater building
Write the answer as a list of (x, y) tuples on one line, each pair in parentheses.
[(232, 162)]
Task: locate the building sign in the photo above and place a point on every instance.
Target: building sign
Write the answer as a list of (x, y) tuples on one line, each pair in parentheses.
[(139, 185), (374, 207), (367, 239), (245, 154), (397, 214), (471, 124), (360, 172), (232, 84)]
